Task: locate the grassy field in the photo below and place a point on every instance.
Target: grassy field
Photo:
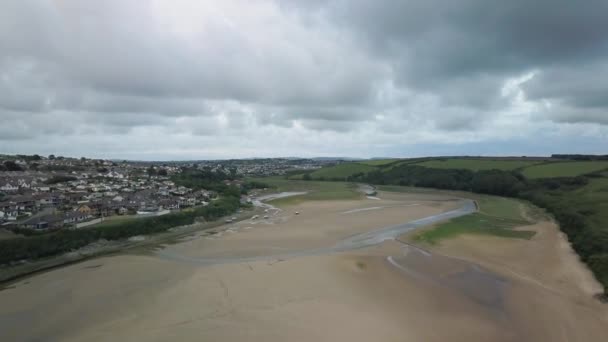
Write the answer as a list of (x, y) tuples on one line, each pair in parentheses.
[(378, 162), (341, 171), (473, 224), (477, 164), (531, 169), (564, 169), (497, 217), (317, 190)]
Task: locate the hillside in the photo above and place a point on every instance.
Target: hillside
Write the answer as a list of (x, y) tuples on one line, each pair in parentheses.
[(565, 169), (338, 172), (477, 164), (531, 168)]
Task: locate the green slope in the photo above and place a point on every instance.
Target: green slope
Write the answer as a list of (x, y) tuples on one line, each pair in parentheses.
[(564, 169), (477, 164), (341, 171)]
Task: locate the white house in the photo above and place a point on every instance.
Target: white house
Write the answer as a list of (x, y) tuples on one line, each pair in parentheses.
[(8, 187)]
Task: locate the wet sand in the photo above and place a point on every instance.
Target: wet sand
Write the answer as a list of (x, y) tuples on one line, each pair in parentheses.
[(387, 292), (551, 295)]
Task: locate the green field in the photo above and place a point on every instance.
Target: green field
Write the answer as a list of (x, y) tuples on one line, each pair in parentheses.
[(532, 169), (341, 171), (477, 164), (378, 162), (317, 190), (564, 169), (497, 216)]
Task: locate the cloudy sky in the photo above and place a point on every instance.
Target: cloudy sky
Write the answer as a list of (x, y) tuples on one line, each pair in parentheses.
[(181, 79)]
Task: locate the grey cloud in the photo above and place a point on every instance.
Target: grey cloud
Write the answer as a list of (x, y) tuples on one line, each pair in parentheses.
[(469, 36), (567, 114), (584, 86), (424, 68), (328, 125), (17, 125), (117, 47), (447, 47)]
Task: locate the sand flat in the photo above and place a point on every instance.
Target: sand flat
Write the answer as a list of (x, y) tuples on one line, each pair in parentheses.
[(388, 292)]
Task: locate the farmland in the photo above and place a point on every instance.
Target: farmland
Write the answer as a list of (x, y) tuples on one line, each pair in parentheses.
[(378, 162), (477, 164), (531, 169), (341, 171), (564, 169)]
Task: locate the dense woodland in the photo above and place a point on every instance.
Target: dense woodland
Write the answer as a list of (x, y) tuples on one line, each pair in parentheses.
[(556, 195)]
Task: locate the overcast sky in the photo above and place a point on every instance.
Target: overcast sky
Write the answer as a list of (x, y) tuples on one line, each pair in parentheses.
[(199, 79)]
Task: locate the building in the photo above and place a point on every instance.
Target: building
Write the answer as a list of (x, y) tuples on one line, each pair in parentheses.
[(51, 221)]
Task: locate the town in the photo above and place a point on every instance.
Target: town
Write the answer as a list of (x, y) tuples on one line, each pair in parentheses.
[(56, 192)]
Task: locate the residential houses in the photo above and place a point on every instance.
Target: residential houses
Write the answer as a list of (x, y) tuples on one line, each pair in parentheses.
[(28, 200)]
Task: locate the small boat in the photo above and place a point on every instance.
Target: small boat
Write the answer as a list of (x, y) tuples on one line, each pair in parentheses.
[(297, 213)]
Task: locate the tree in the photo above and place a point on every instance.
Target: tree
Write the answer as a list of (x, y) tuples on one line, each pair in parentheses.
[(162, 172), (51, 156), (599, 264), (12, 166), (151, 170)]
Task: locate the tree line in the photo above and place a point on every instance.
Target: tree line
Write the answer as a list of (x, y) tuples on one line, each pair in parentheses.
[(580, 156)]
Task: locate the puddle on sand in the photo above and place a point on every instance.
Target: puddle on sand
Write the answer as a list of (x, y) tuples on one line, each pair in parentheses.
[(479, 285)]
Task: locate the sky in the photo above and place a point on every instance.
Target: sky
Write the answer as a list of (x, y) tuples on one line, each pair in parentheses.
[(184, 80)]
